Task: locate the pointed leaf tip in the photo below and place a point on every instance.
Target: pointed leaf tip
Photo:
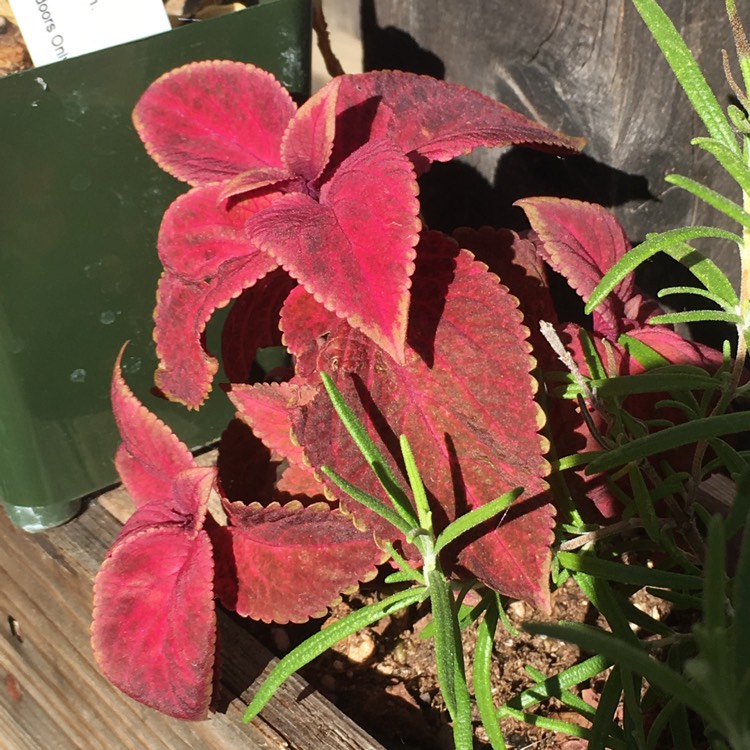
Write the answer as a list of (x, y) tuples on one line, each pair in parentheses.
[(150, 455), (327, 245)]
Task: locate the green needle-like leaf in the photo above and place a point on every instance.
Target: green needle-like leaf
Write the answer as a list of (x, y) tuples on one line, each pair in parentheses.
[(687, 72), (717, 200), (605, 712), (696, 316), (741, 604), (375, 505), (593, 639), (473, 518), (714, 590), (370, 451), (323, 640), (553, 687), (706, 271), (447, 639), (672, 437), (730, 159), (654, 243), (482, 674), (644, 503), (741, 507), (417, 486), (630, 574), (656, 381), (695, 291)]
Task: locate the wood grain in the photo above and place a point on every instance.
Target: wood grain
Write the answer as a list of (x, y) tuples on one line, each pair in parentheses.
[(587, 67), (52, 696)]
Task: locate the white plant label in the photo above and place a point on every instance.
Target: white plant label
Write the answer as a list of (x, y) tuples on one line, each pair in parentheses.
[(55, 30)]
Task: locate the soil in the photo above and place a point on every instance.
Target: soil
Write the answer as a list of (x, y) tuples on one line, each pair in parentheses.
[(384, 677)]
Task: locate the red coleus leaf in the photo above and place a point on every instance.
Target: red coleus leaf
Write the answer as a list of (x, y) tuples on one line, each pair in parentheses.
[(473, 439), (675, 349), (150, 454), (248, 471), (308, 141), (305, 324), (253, 323), (154, 623), (432, 119), (198, 233), (291, 562), (266, 408), (582, 241), (516, 261), (182, 311), (328, 246), (209, 121)]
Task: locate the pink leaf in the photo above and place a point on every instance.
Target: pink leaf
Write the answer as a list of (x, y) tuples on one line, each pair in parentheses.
[(308, 141), (266, 409), (465, 400), (435, 119), (150, 455), (300, 483), (328, 246), (293, 562), (198, 234), (516, 261), (208, 121), (305, 324), (675, 349), (582, 241), (274, 178), (253, 323), (154, 624), (183, 309)]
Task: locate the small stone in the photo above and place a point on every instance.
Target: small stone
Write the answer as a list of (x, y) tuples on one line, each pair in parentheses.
[(400, 653), (361, 648)]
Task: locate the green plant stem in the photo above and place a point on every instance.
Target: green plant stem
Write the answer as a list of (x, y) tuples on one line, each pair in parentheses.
[(742, 333), (322, 641)]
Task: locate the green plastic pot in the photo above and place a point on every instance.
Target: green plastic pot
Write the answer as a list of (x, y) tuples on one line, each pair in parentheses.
[(80, 206)]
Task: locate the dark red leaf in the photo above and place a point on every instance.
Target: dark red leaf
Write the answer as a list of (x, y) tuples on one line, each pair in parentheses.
[(198, 233), (209, 121), (516, 261), (154, 623), (675, 349), (292, 562), (253, 323), (305, 324), (183, 309), (465, 400), (266, 409), (327, 246), (582, 241), (433, 119), (308, 141), (150, 455)]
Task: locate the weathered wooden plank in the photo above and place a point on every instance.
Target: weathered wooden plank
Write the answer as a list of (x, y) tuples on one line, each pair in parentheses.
[(54, 697), (587, 67)]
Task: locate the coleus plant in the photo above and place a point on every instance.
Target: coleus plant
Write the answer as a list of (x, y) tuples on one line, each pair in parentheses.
[(308, 219)]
